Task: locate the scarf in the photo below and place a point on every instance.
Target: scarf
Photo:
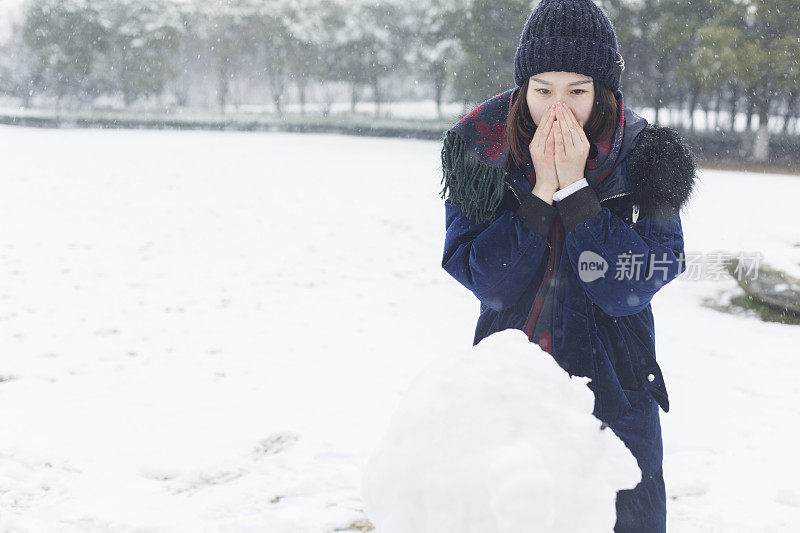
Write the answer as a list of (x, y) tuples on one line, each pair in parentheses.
[(476, 166)]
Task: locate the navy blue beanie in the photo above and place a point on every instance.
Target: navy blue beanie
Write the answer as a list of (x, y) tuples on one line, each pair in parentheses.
[(569, 36)]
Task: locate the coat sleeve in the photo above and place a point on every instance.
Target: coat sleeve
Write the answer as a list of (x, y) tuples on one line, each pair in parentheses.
[(497, 260), (640, 259)]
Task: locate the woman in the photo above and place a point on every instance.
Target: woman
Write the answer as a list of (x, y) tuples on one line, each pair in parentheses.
[(563, 220)]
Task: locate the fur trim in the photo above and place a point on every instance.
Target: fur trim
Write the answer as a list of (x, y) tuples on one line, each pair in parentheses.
[(662, 170)]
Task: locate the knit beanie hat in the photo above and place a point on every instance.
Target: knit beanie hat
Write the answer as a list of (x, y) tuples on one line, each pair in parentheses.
[(569, 36)]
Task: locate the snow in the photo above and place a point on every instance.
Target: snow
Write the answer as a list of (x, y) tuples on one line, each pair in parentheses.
[(212, 331), (492, 440)]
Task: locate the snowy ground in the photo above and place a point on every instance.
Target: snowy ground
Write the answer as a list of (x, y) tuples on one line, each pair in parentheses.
[(210, 331)]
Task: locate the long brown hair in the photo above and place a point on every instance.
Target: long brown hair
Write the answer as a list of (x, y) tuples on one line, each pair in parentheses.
[(520, 126)]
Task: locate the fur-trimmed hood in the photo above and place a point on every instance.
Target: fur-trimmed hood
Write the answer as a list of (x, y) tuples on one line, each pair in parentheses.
[(655, 165)]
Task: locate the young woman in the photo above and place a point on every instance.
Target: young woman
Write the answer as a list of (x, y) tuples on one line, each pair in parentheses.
[(562, 218)]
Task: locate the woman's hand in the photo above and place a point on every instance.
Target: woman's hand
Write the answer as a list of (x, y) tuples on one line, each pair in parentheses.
[(542, 148), (571, 146)]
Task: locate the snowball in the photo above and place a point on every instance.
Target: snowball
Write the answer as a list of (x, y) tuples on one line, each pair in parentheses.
[(496, 438)]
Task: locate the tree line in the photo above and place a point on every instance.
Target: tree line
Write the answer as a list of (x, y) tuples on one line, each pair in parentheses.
[(737, 56)]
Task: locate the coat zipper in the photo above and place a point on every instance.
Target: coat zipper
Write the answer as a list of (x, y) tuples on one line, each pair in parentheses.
[(615, 196), (635, 212), (512, 190)]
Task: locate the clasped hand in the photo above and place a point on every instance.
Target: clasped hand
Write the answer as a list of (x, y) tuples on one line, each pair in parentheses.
[(559, 148)]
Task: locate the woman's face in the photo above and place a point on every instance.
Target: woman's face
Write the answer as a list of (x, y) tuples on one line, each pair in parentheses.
[(576, 91)]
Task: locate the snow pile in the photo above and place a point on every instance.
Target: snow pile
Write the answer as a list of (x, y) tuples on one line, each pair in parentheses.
[(497, 438)]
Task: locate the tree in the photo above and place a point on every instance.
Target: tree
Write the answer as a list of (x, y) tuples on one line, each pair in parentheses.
[(374, 46), (488, 34), (435, 50), (327, 49), (304, 22), (770, 35), (67, 40), (144, 41), (17, 66), (225, 30), (267, 30)]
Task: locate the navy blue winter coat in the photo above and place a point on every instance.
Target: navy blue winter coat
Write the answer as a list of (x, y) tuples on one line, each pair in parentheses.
[(603, 329)]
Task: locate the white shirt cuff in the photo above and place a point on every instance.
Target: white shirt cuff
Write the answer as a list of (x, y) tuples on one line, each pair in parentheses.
[(569, 189)]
